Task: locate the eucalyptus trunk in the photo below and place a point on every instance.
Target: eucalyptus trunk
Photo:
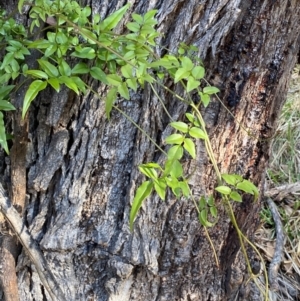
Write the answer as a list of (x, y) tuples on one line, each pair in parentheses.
[(80, 169)]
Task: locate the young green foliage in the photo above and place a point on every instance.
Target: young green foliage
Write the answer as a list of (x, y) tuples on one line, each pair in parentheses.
[(122, 62)]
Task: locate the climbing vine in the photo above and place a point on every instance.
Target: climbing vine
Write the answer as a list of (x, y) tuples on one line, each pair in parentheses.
[(76, 43)]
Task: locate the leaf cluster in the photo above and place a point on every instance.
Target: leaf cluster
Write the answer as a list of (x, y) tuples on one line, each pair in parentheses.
[(235, 185), (78, 45), (171, 175)]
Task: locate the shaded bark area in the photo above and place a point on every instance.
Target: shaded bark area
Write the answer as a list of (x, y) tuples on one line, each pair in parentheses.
[(82, 169), (9, 245)]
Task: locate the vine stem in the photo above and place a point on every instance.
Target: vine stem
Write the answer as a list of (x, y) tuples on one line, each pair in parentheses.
[(227, 202), (161, 101), (208, 144), (131, 120), (139, 128), (206, 231)]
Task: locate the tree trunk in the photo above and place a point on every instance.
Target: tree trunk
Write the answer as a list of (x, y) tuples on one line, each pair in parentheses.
[(82, 169)]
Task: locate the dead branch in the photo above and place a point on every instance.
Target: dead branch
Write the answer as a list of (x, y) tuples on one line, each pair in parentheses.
[(282, 191), (278, 254), (30, 246)]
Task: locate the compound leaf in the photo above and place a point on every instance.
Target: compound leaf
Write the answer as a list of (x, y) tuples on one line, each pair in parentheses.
[(189, 146), (141, 194), (33, 90), (3, 141), (113, 20), (110, 99)]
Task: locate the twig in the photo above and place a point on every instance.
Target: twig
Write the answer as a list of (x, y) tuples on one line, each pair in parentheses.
[(282, 191), (278, 254), (31, 247)]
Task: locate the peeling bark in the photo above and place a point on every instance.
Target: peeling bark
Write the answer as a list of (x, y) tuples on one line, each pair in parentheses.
[(82, 169)]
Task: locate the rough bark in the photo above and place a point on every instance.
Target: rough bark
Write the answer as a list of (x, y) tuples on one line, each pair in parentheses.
[(82, 169)]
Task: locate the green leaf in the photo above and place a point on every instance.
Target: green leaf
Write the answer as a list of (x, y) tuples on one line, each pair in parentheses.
[(198, 133), (150, 14), (235, 196), (192, 119), (85, 53), (123, 90), (141, 194), (198, 72), (133, 26), (114, 79), (15, 66), (110, 99), (160, 187), (174, 139), (203, 219), (202, 203), (179, 125), (33, 90), (205, 98), (98, 74), (129, 55), (112, 21), (61, 38), (149, 172), (187, 64), (181, 51), (15, 44), (54, 82), (213, 211), (8, 58), (176, 169), (229, 179), (181, 73), (40, 44), (189, 145), (80, 68), (185, 188), (138, 18), (192, 84), (37, 73), (64, 68), (5, 90), (132, 83), (172, 182), (248, 187), (89, 35), (9, 136), (24, 68), (210, 90), (152, 165), (210, 201), (3, 141), (6, 106), (20, 5), (175, 152), (168, 62), (50, 69), (148, 78), (96, 18), (223, 189), (131, 46), (127, 71), (146, 29), (69, 82), (79, 83)]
